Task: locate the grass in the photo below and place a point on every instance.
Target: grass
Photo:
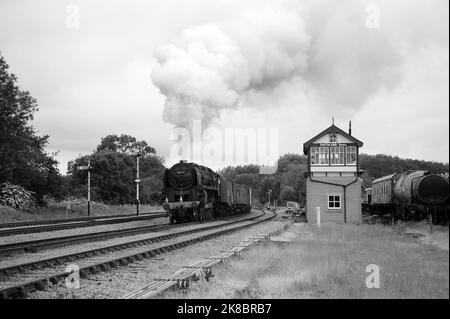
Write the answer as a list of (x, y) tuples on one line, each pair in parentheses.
[(330, 262), (78, 208)]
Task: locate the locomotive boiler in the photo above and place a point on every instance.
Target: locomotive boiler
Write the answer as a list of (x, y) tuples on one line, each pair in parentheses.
[(195, 192)]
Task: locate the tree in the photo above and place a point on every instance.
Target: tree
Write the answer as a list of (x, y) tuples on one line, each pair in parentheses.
[(23, 160), (268, 182), (288, 193), (114, 170), (125, 144), (286, 161)]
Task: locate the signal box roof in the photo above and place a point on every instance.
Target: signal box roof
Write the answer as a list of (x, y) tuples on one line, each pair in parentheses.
[(332, 129)]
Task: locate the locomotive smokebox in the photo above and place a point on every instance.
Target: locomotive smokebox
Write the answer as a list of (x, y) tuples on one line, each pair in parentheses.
[(431, 189), (181, 176)]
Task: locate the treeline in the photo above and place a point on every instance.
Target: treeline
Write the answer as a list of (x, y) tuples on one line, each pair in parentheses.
[(289, 182), (376, 166), (23, 160), (26, 169), (113, 171)]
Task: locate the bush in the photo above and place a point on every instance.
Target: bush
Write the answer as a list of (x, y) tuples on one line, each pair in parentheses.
[(16, 196)]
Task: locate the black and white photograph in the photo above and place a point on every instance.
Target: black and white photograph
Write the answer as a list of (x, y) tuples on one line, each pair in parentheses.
[(223, 156)]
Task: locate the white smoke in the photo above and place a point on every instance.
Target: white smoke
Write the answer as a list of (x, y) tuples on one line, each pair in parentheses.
[(203, 73), (213, 66)]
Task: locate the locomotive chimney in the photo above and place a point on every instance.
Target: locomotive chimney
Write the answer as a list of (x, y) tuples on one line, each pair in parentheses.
[(349, 127)]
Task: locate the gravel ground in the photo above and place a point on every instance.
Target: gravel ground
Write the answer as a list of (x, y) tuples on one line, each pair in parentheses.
[(117, 282), (23, 257)]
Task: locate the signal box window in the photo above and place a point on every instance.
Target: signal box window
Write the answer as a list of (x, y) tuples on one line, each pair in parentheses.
[(314, 155), (351, 155), (334, 201), (337, 155), (324, 156)]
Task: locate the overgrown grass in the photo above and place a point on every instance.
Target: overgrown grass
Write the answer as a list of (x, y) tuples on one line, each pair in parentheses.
[(330, 262), (78, 208)]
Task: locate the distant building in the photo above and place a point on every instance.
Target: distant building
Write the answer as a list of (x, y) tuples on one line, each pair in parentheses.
[(333, 181)]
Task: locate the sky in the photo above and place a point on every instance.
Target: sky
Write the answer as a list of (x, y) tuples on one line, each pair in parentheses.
[(146, 67)]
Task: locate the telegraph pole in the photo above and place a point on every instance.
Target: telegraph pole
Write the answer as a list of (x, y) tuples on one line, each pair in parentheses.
[(89, 187), (88, 168), (137, 181)]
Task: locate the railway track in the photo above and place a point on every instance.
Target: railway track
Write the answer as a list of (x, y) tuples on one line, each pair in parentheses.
[(78, 224), (34, 245), (18, 280), (185, 275), (20, 268), (67, 220)]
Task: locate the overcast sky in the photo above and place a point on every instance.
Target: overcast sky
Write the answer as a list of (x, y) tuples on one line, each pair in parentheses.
[(143, 67)]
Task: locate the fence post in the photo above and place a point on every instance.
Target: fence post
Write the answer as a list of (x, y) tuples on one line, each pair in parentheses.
[(318, 215)]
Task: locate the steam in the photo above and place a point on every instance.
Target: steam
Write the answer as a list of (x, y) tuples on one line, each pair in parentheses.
[(212, 67)]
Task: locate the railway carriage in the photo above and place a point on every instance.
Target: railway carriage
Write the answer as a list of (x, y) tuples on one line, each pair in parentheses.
[(412, 194), (382, 196), (195, 192)]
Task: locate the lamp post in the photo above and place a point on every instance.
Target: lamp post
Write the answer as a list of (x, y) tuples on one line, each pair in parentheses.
[(137, 181), (88, 168)]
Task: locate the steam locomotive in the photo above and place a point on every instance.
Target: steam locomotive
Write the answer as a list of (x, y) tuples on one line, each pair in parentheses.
[(413, 194), (193, 192)]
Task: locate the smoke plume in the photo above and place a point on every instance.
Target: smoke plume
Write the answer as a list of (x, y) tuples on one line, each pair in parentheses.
[(213, 66)]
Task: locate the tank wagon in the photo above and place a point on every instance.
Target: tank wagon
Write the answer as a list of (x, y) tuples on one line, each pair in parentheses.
[(194, 192), (412, 194)]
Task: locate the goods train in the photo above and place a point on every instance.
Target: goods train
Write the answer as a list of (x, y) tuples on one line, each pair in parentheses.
[(194, 192), (409, 195)]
